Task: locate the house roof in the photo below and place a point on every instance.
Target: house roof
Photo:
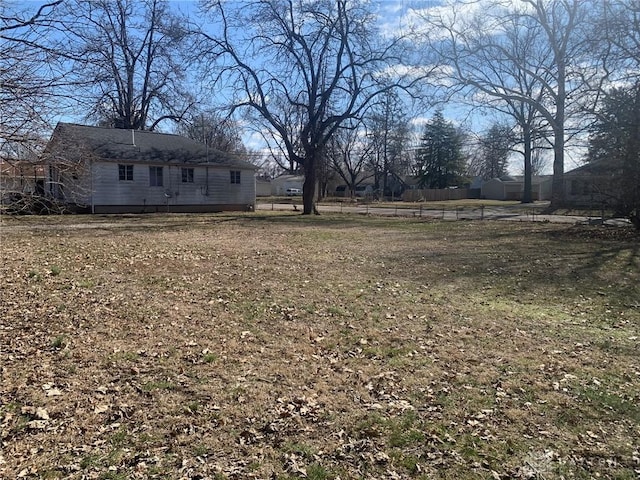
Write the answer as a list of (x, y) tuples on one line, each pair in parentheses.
[(290, 178), (597, 167), (140, 146), (535, 179)]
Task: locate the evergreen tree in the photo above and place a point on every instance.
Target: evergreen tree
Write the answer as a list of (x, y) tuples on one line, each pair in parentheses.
[(614, 146), (440, 162)]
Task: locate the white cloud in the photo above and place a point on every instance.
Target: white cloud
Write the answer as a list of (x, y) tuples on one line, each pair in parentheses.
[(419, 122), (436, 20), (405, 71)]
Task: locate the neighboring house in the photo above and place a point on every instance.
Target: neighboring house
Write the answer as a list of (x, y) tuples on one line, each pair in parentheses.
[(106, 170), (512, 188), (591, 184), (279, 185), (263, 187), (364, 185), (475, 189), (361, 190), (21, 177)]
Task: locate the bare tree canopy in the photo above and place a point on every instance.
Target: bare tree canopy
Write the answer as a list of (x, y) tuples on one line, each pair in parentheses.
[(319, 62), (389, 134), (349, 153), (615, 139), (213, 130), (129, 60), (524, 57), (29, 70)]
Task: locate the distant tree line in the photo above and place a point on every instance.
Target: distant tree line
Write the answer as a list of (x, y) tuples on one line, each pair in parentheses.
[(328, 90)]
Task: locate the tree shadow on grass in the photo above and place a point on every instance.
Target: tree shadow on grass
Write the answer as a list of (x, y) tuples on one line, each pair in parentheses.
[(331, 220), (518, 261)]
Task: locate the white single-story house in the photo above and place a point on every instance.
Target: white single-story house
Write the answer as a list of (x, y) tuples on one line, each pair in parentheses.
[(107, 170), (263, 187), (512, 188), (279, 185)]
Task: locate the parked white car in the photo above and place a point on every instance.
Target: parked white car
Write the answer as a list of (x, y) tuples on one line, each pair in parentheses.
[(292, 192)]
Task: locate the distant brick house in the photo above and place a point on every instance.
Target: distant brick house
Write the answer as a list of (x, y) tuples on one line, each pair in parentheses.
[(105, 170)]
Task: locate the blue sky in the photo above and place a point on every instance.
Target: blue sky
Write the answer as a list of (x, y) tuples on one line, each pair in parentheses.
[(400, 16), (394, 16)]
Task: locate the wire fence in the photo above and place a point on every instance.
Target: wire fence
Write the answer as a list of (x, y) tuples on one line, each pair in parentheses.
[(528, 213)]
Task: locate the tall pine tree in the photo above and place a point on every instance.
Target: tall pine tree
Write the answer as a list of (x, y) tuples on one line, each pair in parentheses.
[(440, 162)]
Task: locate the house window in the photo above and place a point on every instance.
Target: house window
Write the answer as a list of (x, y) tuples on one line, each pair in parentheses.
[(155, 176), (187, 175), (235, 176), (125, 173)]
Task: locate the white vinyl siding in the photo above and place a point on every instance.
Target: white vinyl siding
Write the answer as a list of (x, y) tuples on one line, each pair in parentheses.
[(211, 186)]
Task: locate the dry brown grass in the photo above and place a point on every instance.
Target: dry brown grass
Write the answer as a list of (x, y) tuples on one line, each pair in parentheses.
[(275, 346)]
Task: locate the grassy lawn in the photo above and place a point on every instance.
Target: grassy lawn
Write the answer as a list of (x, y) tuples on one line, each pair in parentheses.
[(280, 346), (439, 205)]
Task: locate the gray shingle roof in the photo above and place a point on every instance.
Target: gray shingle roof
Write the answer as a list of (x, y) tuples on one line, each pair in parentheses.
[(138, 146), (596, 167)]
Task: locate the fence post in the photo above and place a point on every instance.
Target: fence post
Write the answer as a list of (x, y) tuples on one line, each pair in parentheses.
[(272, 206), (420, 211), (482, 212)]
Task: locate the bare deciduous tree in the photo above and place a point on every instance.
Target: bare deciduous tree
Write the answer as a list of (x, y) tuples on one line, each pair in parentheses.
[(615, 139), (524, 56), (129, 61), (30, 74), (321, 59), (389, 134), (348, 152), (29, 71), (214, 131)]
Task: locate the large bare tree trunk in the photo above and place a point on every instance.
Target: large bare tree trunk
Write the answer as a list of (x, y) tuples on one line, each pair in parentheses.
[(322, 57), (558, 197), (309, 186), (557, 186), (527, 195)]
